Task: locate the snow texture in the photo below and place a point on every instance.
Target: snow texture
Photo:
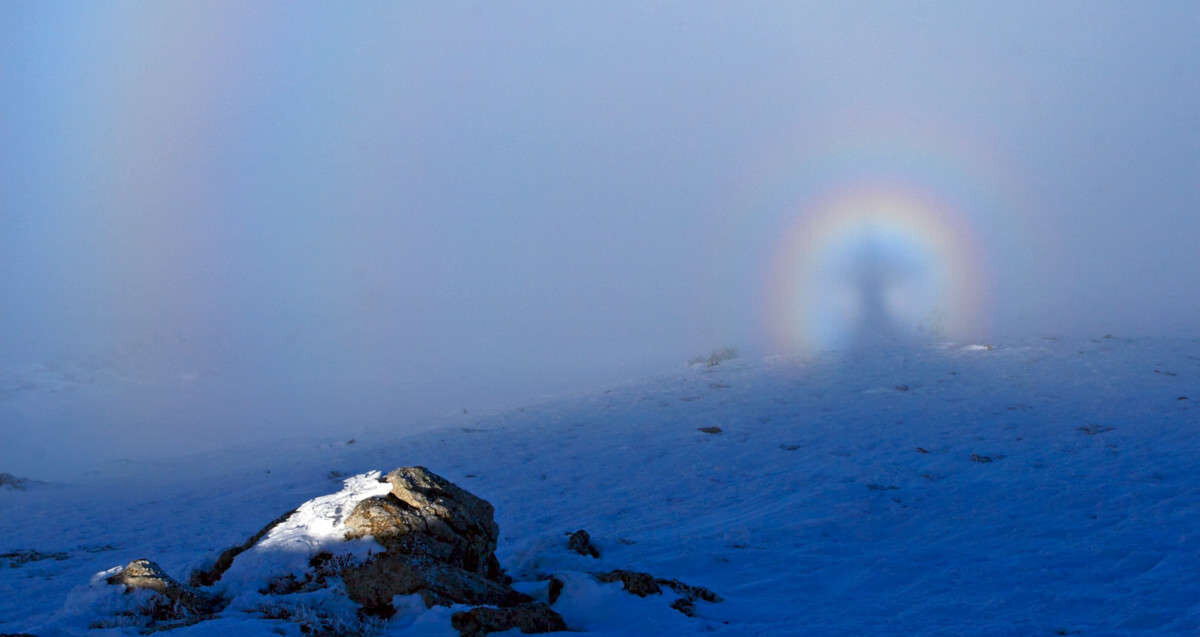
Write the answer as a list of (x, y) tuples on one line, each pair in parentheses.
[(1037, 488)]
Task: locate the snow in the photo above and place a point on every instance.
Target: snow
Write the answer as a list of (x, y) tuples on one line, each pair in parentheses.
[(985, 498), (315, 526)]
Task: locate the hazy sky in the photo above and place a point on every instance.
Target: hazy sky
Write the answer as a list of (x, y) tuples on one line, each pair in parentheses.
[(517, 198)]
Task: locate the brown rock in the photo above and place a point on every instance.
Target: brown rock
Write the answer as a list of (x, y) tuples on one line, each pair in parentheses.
[(374, 582), (532, 617), (175, 603), (427, 515)]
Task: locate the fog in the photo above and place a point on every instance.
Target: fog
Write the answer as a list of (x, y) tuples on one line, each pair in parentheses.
[(224, 222)]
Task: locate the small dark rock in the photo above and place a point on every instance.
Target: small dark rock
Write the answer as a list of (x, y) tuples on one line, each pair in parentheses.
[(640, 584), (1092, 430), (901, 387), (789, 447), (691, 592), (581, 543), (13, 482), (554, 589), (1182, 398), (709, 430), (685, 606), (643, 584), (980, 459), (20, 558), (532, 617)]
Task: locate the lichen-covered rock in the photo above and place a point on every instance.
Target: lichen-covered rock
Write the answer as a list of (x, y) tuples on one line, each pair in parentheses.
[(450, 514), (172, 602), (429, 516), (581, 543), (532, 617)]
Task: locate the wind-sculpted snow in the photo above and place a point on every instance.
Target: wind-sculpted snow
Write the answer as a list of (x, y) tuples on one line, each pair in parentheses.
[(317, 525), (833, 502)]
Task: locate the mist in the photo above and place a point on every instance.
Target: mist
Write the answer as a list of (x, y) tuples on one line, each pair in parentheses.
[(221, 223)]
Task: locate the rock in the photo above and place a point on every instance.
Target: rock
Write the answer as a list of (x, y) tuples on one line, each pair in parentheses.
[(532, 617), (581, 543), (554, 589), (685, 606), (21, 558), (174, 604), (428, 515), (709, 430), (643, 584), (440, 542), (691, 592), (13, 482), (375, 582), (640, 584)]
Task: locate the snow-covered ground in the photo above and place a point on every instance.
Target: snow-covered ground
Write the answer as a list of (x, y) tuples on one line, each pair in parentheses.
[(1045, 487)]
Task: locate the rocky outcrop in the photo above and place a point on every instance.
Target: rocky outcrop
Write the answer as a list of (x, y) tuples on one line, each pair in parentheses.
[(439, 542), (532, 617), (429, 516), (170, 604), (375, 582), (428, 538)]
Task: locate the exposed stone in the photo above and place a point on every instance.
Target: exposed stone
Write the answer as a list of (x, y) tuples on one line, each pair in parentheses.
[(685, 606), (581, 543), (640, 584), (709, 430), (451, 514), (174, 604), (532, 617), (643, 584), (554, 589), (427, 515), (13, 482), (691, 592), (20, 558), (375, 582)]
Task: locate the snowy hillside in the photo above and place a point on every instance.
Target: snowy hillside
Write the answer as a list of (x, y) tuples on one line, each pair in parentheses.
[(1037, 488)]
